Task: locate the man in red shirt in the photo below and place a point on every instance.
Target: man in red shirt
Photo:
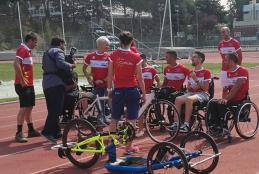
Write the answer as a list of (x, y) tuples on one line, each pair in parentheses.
[(23, 66), (238, 85), (198, 85), (149, 73), (174, 73), (226, 46), (99, 61)]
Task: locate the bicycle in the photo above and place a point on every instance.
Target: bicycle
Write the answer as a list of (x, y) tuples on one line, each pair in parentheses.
[(81, 138)]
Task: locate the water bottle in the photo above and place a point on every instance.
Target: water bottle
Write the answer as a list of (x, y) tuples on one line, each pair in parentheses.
[(169, 155)]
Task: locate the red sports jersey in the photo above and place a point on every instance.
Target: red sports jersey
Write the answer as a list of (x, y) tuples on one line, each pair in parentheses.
[(225, 47), (134, 49), (24, 53), (99, 66), (124, 63), (148, 74), (240, 72), (202, 75), (176, 75)]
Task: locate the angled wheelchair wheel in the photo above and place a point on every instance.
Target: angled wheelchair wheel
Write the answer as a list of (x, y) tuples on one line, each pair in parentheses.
[(77, 131), (80, 107), (246, 120), (203, 146), (158, 119), (166, 157), (208, 119)]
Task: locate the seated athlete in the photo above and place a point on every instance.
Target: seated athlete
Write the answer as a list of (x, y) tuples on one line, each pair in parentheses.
[(175, 73), (238, 85), (149, 73), (198, 85)]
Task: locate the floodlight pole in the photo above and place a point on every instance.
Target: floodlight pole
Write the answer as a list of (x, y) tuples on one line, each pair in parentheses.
[(197, 11), (170, 18), (63, 31), (20, 23), (111, 17)]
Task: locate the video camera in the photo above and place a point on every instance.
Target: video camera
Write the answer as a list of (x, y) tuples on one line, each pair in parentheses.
[(69, 58)]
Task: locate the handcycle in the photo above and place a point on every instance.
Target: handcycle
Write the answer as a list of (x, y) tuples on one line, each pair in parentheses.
[(195, 149), (244, 117)]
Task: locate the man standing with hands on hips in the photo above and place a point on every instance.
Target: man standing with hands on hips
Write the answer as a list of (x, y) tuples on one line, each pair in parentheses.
[(227, 45)]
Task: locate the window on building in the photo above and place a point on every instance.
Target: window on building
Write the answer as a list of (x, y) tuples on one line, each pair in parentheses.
[(41, 11)]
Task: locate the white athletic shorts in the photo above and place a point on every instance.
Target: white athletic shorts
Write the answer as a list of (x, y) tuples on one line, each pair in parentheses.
[(223, 79)]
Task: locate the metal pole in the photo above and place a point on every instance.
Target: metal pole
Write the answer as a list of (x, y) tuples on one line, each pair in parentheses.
[(161, 33), (197, 11), (42, 34), (20, 23), (171, 30), (61, 10), (111, 17), (140, 27), (131, 24), (63, 31)]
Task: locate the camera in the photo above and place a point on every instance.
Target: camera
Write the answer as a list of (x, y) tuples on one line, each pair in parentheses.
[(69, 58)]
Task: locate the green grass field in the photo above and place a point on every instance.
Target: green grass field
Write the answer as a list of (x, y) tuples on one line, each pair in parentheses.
[(7, 70), (7, 73)]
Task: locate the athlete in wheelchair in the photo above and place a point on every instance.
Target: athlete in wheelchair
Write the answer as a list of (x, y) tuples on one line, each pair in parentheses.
[(236, 108), (198, 85)]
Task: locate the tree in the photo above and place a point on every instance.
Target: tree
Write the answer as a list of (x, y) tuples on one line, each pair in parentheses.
[(48, 34)]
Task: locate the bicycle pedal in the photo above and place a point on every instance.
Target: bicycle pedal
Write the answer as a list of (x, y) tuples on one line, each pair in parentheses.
[(61, 153)]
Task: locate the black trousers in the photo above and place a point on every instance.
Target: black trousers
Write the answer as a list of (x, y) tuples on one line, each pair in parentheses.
[(54, 99), (218, 111), (69, 103)]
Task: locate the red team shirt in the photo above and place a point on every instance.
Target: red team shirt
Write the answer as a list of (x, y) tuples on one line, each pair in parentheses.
[(225, 47), (134, 49), (99, 66), (202, 75), (176, 75), (148, 74), (124, 64), (240, 72), (24, 53)]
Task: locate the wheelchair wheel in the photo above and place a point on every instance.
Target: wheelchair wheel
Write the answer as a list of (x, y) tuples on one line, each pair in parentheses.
[(166, 157), (208, 120), (158, 119), (76, 131), (246, 120), (79, 107), (197, 141)]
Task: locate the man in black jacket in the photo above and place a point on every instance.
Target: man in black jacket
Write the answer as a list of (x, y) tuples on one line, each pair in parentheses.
[(54, 88)]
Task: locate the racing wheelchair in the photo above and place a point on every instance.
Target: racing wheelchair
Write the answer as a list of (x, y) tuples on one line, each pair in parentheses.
[(244, 117)]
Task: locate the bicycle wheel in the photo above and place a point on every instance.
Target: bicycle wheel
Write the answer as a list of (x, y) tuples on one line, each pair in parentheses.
[(80, 107), (158, 121), (166, 157), (76, 131), (201, 142), (246, 120)]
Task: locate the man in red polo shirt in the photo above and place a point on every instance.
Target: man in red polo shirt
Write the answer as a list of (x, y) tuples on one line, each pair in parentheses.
[(238, 85), (23, 66), (226, 46), (99, 62), (174, 73)]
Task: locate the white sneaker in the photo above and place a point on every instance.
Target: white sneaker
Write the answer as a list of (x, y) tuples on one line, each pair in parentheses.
[(184, 128), (140, 134)]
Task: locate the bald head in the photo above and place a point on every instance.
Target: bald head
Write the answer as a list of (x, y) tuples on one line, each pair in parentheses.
[(225, 33)]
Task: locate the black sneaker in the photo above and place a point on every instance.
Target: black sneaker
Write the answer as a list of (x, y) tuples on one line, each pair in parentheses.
[(49, 138), (218, 132), (34, 133), (58, 137), (184, 128)]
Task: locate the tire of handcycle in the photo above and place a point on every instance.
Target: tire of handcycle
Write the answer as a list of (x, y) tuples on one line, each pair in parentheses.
[(77, 124)]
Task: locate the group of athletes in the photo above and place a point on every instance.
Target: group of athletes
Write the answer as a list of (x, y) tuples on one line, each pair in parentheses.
[(119, 76)]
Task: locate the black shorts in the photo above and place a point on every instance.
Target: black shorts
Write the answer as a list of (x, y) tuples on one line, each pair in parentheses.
[(26, 95)]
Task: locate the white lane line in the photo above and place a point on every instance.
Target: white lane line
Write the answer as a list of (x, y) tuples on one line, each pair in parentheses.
[(23, 151), (16, 124), (17, 113)]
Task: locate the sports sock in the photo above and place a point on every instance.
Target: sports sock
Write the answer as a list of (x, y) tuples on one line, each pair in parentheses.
[(31, 128), (19, 128), (187, 124)]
